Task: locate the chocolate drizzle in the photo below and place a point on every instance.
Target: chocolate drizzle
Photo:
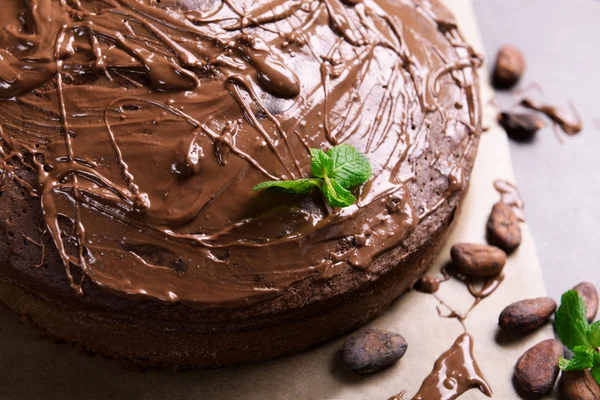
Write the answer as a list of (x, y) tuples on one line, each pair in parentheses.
[(148, 124), (569, 124), (429, 284), (456, 370), (510, 195), (399, 396)]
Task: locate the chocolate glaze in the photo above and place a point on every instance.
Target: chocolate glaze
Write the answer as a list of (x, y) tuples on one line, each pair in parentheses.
[(569, 124), (148, 125), (510, 195)]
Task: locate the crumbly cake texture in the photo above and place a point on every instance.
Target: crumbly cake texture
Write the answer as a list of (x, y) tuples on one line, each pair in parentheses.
[(137, 234)]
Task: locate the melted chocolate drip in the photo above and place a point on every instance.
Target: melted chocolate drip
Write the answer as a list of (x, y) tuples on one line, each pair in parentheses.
[(429, 284), (455, 372), (399, 396), (510, 195), (569, 124), (148, 125)]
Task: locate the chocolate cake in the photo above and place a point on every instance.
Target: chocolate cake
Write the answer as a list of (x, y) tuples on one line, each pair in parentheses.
[(133, 132)]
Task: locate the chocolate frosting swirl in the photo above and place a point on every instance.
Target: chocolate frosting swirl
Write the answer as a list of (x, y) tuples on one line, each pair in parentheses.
[(148, 123)]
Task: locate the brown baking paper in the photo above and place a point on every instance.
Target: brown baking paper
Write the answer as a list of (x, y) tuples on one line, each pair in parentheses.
[(33, 368)]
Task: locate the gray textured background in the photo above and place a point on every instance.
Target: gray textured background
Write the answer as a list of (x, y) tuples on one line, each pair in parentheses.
[(560, 183)]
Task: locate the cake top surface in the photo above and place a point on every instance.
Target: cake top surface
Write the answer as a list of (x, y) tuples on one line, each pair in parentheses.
[(149, 122)]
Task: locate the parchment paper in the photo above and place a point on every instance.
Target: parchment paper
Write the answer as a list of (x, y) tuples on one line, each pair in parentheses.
[(33, 368)]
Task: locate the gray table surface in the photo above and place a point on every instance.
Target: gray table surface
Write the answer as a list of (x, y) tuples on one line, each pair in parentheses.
[(559, 182)]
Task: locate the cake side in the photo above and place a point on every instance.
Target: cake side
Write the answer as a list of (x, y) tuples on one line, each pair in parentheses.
[(144, 340), (151, 334)]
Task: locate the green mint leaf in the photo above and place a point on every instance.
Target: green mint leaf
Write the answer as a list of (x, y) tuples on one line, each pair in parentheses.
[(593, 334), (570, 321), (322, 165), (300, 186), (336, 195), (335, 172), (596, 357), (596, 373), (350, 167), (583, 358)]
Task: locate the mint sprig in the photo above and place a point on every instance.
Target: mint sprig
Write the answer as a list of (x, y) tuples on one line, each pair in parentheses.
[(583, 358), (570, 321), (578, 335), (335, 172)]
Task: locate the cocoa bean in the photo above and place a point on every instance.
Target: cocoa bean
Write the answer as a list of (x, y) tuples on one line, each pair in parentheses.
[(503, 229), (588, 292), (371, 350), (478, 260), (579, 385), (510, 66), (520, 126), (527, 315), (537, 369)]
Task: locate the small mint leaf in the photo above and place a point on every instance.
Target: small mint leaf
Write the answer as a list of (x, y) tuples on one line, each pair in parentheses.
[(336, 195), (300, 186), (593, 334), (570, 321), (583, 358), (596, 373), (350, 167), (596, 358), (335, 172), (322, 165)]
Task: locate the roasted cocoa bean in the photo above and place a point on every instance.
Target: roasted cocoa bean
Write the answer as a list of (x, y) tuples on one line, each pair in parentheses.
[(579, 385), (510, 66), (588, 292), (371, 350), (503, 229), (520, 126), (478, 260), (527, 315), (537, 369)]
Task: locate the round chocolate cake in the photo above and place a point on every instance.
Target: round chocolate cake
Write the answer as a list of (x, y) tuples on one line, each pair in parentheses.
[(134, 131)]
